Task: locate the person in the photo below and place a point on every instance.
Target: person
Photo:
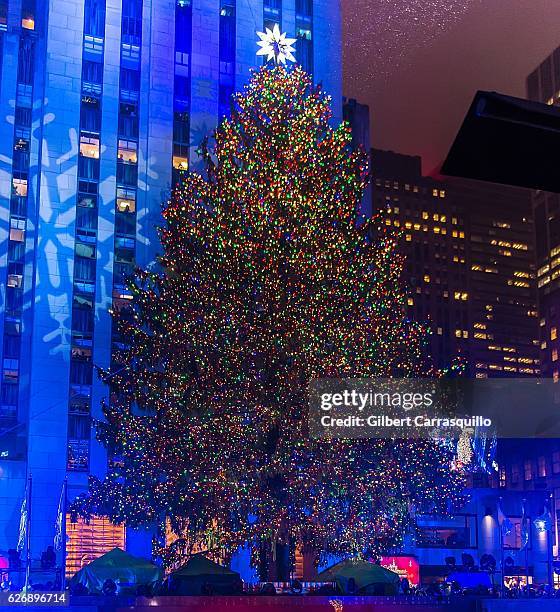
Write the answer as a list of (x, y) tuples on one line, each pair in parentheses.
[(405, 586), (48, 558)]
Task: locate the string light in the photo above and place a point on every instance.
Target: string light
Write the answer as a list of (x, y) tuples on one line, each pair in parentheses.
[(268, 279)]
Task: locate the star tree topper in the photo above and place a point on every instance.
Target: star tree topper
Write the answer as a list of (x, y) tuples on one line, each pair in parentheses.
[(276, 46)]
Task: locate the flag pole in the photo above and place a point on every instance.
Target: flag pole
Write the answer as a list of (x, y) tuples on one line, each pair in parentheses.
[(501, 529), (63, 532), (526, 546), (28, 538), (549, 545)]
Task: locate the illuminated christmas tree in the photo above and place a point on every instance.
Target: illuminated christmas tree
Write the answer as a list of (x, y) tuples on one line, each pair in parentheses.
[(269, 278)]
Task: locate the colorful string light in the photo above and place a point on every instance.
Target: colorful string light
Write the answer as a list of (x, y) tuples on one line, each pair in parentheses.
[(268, 280)]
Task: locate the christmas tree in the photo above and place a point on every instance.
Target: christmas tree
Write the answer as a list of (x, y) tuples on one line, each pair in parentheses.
[(269, 278)]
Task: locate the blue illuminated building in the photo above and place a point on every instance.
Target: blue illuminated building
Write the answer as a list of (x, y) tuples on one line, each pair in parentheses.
[(102, 103)]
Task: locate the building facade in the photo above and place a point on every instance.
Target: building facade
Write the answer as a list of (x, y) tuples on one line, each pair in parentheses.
[(102, 104), (543, 85), (470, 265)]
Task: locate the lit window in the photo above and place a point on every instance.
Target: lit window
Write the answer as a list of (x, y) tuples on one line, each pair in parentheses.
[(128, 151), (28, 22), (553, 333), (16, 235), (88, 541), (542, 467), (89, 147), (126, 205), (435, 193), (528, 470), (19, 187), (426, 278), (14, 280), (554, 355), (180, 162)]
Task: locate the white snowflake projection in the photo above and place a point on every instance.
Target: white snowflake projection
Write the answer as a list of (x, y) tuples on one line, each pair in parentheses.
[(276, 46)]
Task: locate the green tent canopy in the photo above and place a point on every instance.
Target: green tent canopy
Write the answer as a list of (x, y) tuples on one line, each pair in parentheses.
[(199, 574), (127, 571), (368, 577)]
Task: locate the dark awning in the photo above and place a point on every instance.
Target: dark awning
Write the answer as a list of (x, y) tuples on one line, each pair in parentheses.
[(508, 140)]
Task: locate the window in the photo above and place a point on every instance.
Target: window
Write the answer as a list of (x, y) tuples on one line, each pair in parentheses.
[(227, 31), (90, 114), (180, 162), (183, 27), (8, 401), (94, 18), (87, 194), (130, 79), (541, 465), (86, 218), (88, 168), (11, 370), (3, 13), (272, 13), (528, 469), (17, 235), (15, 281), (514, 540), (515, 473), (89, 540), (12, 347), (82, 320), (81, 373), (92, 72), (182, 93), (25, 61), (127, 174), (181, 128), (128, 121), (19, 187), (458, 532), (132, 21), (125, 224), (556, 462), (21, 155), (27, 17), (89, 146), (84, 269), (128, 151)]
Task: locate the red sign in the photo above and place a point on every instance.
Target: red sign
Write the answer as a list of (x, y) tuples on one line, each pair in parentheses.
[(405, 567)]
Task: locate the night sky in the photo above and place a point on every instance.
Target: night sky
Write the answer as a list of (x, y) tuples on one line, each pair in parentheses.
[(418, 63)]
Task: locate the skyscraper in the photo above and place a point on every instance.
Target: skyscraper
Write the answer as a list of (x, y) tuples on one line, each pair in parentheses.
[(470, 264), (103, 103), (543, 85)]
